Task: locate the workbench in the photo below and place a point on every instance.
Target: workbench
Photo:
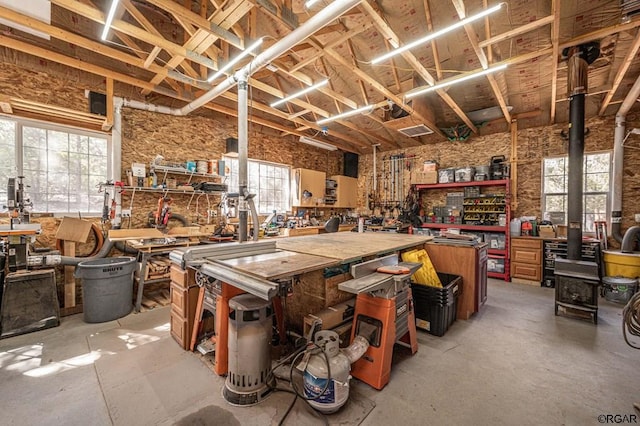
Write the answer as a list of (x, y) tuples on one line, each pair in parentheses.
[(313, 266)]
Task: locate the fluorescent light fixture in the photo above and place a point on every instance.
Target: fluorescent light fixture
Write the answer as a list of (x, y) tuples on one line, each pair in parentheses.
[(300, 93), (107, 24), (310, 3), (237, 59), (452, 81), (366, 108), (437, 34), (317, 144)]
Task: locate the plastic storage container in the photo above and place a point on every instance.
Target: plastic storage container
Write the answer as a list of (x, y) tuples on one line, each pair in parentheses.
[(435, 308), (464, 174), (495, 264), (446, 175), (515, 227), (619, 289), (107, 288)]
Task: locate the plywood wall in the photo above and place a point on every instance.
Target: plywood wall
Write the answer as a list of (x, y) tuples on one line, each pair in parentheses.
[(533, 145)]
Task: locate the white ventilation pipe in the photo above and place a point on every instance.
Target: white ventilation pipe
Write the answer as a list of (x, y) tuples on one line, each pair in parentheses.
[(618, 160)]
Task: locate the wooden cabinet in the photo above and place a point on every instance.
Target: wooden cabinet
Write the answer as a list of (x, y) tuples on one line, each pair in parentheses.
[(307, 188), (346, 191), (184, 298), (526, 258), (469, 262)]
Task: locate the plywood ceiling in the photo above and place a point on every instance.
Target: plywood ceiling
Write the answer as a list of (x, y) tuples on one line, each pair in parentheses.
[(162, 51)]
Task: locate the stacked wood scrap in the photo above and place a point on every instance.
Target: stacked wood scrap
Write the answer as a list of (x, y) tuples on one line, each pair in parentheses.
[(157, 267)]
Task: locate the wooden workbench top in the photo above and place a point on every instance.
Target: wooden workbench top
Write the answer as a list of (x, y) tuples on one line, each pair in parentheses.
[(272, 266), (349, 246)]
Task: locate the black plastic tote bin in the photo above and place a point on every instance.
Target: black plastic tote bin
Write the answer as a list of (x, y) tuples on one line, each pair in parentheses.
[(435, 307), (107, 288)]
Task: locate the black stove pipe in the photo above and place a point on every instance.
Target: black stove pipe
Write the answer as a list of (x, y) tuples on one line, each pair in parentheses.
[(577, 86)]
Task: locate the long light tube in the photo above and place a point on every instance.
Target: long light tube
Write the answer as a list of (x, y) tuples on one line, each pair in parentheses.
[(436, 34), (234, 61), (346, 114), (310, 3), (110, 15), (300, 93), (452, 81), (316, 143)]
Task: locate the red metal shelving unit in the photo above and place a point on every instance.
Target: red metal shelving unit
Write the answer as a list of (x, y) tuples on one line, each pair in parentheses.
[(496, 253)]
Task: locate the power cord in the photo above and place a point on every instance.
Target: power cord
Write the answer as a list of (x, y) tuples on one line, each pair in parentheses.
[(631, 319), (294, 358)]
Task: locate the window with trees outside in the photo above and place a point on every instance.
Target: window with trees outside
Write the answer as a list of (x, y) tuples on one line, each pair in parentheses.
[(62, 166), (597, 178), (269, 181)]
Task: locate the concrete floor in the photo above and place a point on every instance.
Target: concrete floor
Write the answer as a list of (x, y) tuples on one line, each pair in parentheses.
[(514, 363)]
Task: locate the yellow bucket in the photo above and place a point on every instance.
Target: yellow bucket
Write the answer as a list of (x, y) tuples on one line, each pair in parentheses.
[(618, 264)]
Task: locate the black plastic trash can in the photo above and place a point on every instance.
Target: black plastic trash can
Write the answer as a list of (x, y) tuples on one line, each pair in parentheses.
[(107, 288)]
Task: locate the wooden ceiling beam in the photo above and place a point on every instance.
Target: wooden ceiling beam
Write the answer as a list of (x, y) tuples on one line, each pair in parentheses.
[(333, 43), (624, 67), (215, 26), (434, 46), (523, 29), (98, 16), (390, 35), (382, 89), (473, 39), (555, 36)]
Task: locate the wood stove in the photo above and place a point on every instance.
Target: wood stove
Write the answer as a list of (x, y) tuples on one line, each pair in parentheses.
[(577, 280), (577, 284)]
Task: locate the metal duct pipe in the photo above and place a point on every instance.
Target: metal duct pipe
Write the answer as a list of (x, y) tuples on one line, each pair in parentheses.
[(629, 240), (618, 160), (577, 87), (151, 107), (617, 170)]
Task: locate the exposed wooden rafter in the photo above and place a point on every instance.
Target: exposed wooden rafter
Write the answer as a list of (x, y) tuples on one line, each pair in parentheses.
[(389, 34), (555, 34), (473, 39), (624, 67)]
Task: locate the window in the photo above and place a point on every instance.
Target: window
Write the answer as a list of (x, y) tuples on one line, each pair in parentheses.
[(62, 167), (597, 175), (269, 181)]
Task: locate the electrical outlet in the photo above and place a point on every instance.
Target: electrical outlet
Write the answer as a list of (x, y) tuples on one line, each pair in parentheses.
[(637, 217), (126, 213)]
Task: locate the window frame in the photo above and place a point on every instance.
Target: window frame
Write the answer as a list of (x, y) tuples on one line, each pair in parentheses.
[(19, 166), (585, 193), (233, 189)]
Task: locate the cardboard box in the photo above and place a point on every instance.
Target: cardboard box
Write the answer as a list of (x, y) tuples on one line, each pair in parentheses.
[(331, 316), (430, 166), (546, 231), (424, 177), (561, 231)]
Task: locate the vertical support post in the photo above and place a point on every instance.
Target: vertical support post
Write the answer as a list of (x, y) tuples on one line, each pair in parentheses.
[(243, 136)]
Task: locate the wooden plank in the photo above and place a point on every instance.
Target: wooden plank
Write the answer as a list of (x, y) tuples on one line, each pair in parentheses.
[(69, 278), (350, 246), (73, 229), (108, 122), (517, 31), (134, 234), (280, 264)]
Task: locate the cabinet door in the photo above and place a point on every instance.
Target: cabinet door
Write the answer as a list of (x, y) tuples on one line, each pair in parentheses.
[(481, 280), (526, 271), (526, 255), (310, 182), (346, 192)]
